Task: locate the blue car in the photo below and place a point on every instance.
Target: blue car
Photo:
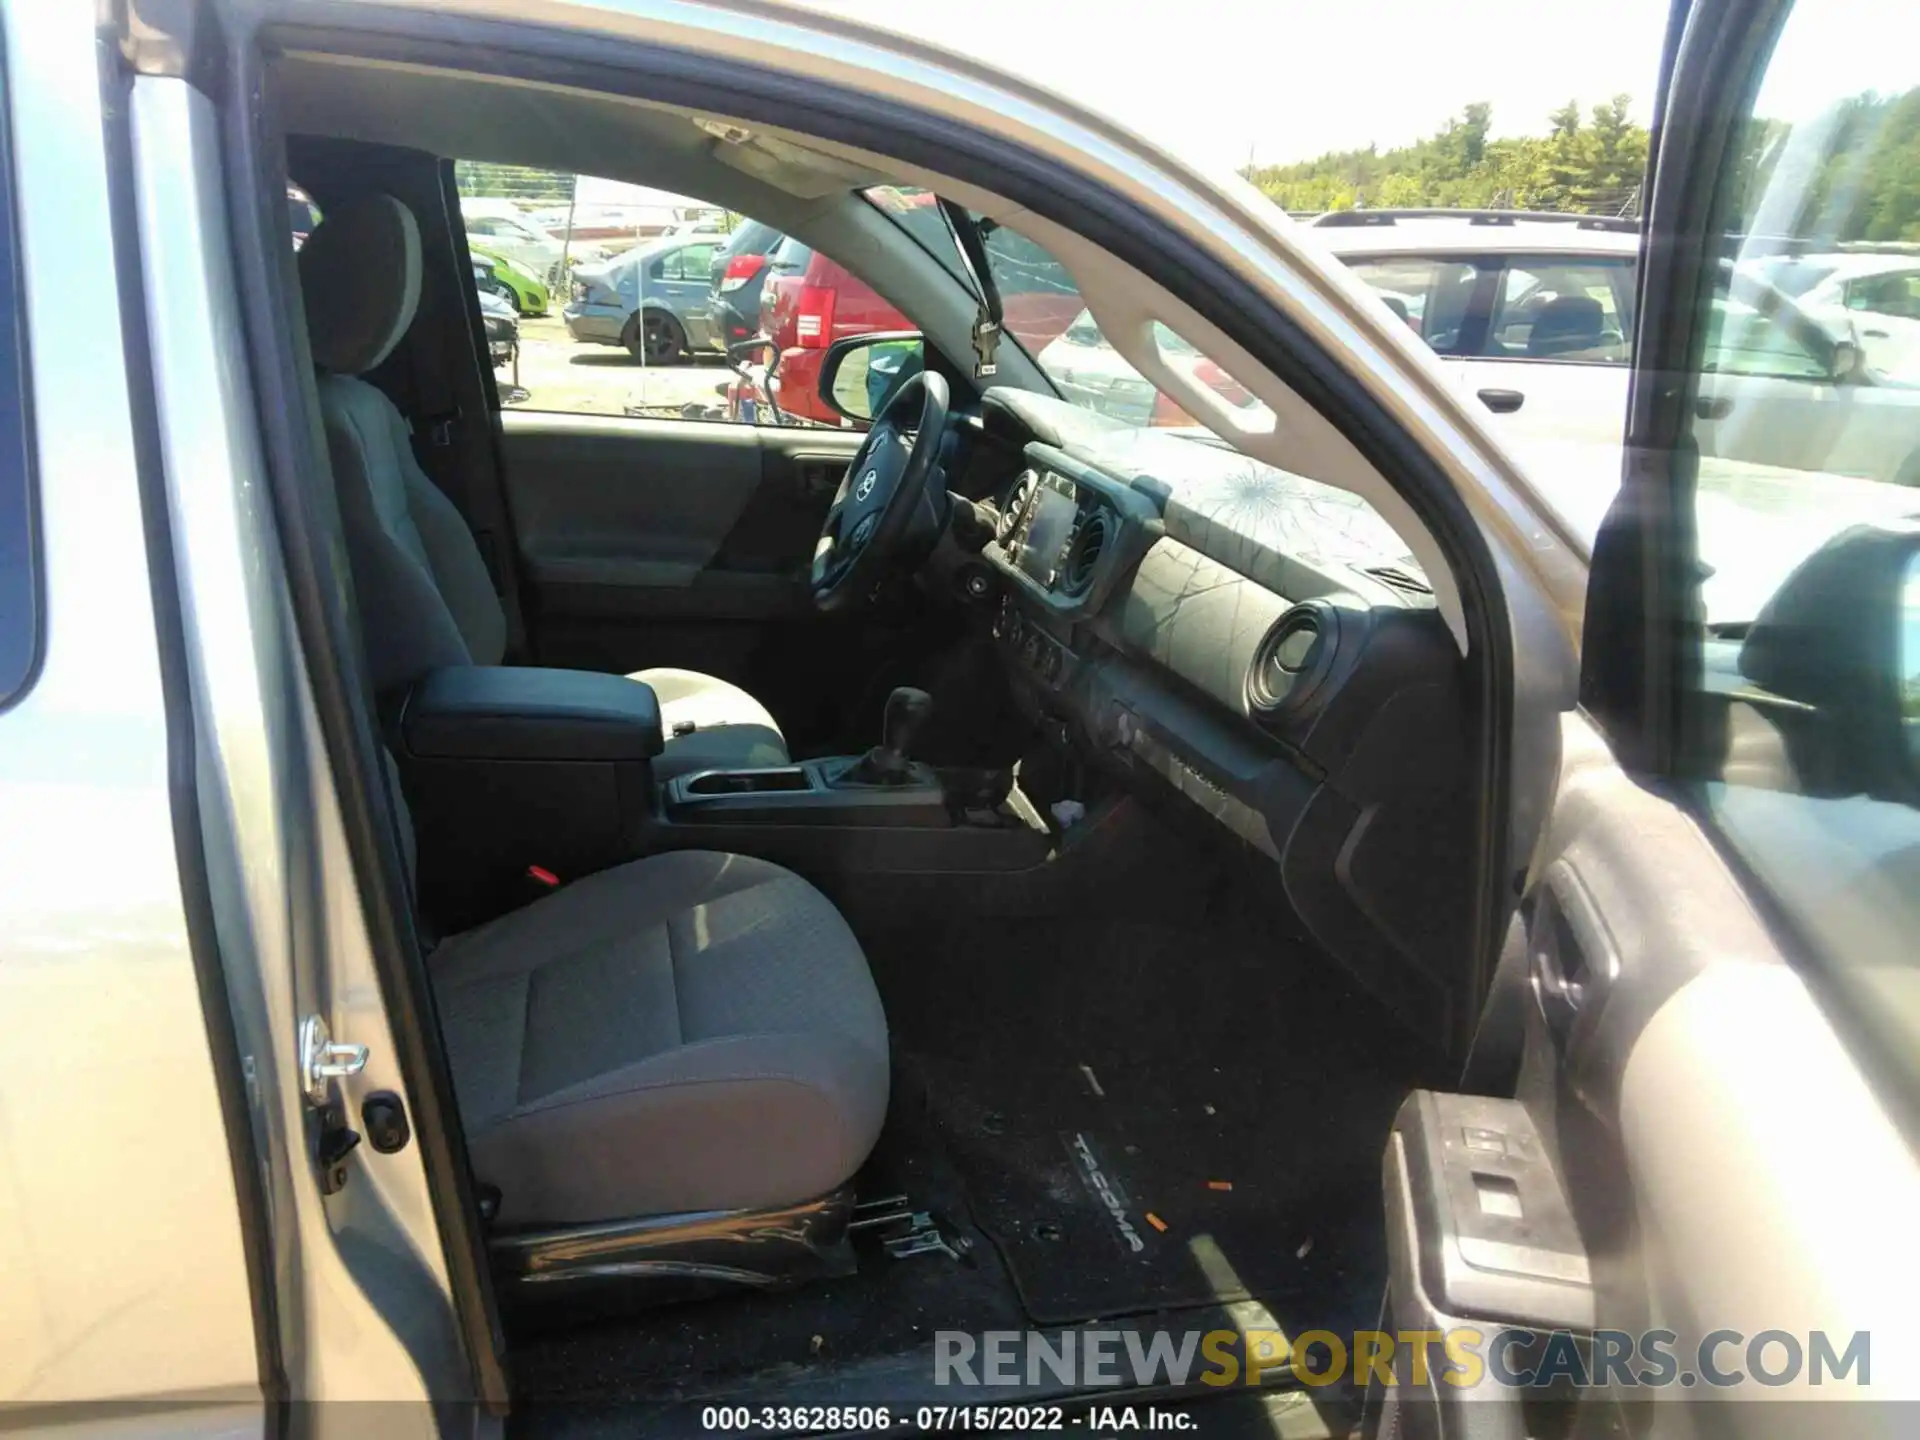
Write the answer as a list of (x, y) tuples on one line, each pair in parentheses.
[(653, 299)]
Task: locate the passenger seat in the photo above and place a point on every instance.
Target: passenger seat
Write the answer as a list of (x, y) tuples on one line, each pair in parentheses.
[(695, 1031), (426, 599)]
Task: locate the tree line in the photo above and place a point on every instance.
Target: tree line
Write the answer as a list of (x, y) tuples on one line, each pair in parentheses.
[(1592, 164), (1862, 158)]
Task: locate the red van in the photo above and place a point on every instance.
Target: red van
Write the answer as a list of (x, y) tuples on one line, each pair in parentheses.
[(808, 301)]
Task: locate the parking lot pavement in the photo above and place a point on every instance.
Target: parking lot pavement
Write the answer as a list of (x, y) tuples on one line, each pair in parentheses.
[(560, 373)]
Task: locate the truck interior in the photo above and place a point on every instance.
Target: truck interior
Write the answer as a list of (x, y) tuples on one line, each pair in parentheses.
[(999, 870)]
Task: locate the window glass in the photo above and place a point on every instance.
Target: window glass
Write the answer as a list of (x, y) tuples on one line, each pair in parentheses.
[(1436, 296), (1895, 295), (1567, 310), (1038, 297), (1043, 314), (597, 299), (1748, 337), (1802, 717)]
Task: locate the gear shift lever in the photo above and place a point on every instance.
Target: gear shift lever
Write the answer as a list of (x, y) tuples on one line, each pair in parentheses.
[(888, 763)]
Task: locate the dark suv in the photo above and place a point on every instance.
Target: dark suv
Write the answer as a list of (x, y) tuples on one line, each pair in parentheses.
[(739, 270)]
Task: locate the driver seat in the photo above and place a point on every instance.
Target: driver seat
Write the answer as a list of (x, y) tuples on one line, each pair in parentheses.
[(426, 600)]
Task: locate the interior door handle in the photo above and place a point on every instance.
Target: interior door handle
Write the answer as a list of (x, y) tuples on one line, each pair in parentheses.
[(1502, 402), (819, 478), (1558, 993), (1874, 334), (1571, 956), (1713, 407)]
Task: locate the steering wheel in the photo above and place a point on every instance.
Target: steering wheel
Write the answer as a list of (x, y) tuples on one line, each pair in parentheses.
[(873, 510)]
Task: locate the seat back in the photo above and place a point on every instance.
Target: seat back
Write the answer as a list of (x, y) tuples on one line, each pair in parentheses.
[(1565, 324), (425, 597)]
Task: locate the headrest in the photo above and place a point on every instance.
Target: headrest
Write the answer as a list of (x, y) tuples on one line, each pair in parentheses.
[(360, 280), (1567, 322)]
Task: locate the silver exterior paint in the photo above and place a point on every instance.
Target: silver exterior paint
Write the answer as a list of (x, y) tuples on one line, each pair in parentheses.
[(361, 1286), (121, 1268)]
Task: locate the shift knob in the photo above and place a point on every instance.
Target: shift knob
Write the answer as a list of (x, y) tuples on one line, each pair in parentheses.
[(907, 711)]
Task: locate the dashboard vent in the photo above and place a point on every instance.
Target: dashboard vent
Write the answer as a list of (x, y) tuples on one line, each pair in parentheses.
[(1016, 502), (1088, 547)]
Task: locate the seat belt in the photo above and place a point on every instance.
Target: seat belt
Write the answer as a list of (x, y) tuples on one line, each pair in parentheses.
[(442, 445)]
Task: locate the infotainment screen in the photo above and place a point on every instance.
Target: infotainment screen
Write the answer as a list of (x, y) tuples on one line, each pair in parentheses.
[(1045, 528)]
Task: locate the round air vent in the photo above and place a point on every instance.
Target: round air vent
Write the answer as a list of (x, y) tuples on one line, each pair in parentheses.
[(1293, 658), (1084, 558), (1016, 502)]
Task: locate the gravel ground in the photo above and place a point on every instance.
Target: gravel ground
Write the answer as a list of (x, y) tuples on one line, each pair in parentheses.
[(560, 373)]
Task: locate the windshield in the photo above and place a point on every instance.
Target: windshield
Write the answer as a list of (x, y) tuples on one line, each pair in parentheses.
[(1043, 313)]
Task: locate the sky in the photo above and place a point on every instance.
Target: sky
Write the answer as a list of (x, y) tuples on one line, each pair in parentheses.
[(1222, 82), (1219, 81)]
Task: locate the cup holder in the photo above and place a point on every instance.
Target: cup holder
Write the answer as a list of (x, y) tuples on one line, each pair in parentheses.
[(748, 782)]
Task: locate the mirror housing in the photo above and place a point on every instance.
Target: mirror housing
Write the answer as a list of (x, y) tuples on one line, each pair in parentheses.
[(1847, 361), (1841, 638), (859, 374)]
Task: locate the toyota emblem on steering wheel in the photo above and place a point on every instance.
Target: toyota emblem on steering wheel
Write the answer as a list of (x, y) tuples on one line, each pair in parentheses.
[(865, 487)]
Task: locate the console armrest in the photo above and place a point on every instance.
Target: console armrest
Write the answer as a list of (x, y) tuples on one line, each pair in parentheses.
[(504, 712)]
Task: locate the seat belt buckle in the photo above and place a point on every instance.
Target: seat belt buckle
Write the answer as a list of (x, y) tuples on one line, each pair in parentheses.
[(543, 877)]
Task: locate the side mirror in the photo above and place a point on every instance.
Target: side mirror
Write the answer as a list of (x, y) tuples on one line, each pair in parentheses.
[(1846, 362), (1840, 639), (858, 375)]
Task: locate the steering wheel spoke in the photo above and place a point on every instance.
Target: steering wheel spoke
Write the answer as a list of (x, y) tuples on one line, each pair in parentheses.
[(868, 520)]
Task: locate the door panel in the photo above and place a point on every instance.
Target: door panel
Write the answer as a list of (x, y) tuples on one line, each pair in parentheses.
[(627, 503), (1726, 1160), (1560, 402), (686, 543)]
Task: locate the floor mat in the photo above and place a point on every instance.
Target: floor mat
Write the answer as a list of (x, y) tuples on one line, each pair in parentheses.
[(1200, 1118)]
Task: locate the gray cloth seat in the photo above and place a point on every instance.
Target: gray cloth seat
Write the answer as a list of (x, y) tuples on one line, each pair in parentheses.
[(1566, 324), (694, 1031), (425, 597)]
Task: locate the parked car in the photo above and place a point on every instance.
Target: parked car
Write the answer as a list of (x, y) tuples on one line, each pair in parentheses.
[(487, 281), (501, 322), (501, 226), (738, 271), (653, 300), (494, 942), (807, 301), (1534, 315), (1876, 293), (529, 295), (1089, 371)]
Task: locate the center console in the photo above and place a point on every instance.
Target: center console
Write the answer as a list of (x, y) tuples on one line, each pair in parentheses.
[(813, 792), (509, 769), (520, 779)]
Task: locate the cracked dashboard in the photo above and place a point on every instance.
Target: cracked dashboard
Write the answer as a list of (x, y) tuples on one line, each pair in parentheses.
[(1250, 647)]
